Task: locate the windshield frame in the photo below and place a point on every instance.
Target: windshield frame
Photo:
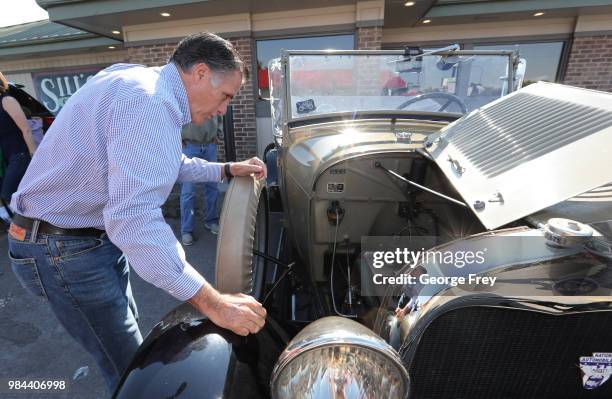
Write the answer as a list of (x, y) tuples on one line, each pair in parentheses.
[(286, 113)]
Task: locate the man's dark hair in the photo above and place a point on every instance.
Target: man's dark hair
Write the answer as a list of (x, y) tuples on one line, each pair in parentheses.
[(212, 50)]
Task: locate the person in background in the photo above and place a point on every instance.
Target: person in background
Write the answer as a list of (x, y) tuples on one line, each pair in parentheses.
[(5, 217), (201, 142), (36, 125), (16, 141)]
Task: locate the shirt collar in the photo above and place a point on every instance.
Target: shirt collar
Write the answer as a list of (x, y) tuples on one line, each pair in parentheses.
[(171, 74)]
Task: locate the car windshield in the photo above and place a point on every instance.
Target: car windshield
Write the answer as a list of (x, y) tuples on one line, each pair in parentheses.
[(328, 82)]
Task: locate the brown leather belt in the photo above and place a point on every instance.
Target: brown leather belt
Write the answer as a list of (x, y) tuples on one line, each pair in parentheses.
[(48, 228)]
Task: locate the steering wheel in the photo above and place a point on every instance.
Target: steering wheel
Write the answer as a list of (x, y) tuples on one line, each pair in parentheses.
[(450, 98)]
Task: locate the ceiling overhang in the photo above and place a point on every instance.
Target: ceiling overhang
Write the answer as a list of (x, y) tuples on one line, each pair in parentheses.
[(71, 46), (105, 16), (449, 12)]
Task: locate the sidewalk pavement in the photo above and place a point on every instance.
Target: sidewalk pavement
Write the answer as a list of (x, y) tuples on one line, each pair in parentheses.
[(34, 346)]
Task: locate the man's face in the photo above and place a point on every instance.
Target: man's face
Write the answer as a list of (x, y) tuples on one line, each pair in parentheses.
[(208, 92)]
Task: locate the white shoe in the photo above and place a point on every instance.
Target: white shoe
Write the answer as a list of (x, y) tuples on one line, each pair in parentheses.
[(187, 239), (212, 227)]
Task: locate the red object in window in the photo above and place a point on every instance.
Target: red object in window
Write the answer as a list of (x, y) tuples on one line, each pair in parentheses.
[(395, 83), (390, 80), (329, 79), (262, 78)]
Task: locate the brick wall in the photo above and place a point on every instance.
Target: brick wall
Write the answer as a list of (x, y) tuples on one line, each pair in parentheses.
[(369, 38), (243, 104), (589, 63), (151, 55)]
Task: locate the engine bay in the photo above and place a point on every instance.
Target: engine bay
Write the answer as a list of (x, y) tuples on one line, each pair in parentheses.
[(358, 198)]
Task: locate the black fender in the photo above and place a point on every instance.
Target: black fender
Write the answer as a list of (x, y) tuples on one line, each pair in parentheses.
[(187, 356)]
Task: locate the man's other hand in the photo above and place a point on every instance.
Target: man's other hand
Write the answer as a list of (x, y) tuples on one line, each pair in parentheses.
[(239, 313), (253, 166)]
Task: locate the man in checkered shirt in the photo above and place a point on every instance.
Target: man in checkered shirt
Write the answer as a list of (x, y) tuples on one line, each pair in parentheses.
[(92, 198)]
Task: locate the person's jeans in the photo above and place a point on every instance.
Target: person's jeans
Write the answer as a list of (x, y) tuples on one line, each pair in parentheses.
[(188, 189), (86, 282), (13, 173)]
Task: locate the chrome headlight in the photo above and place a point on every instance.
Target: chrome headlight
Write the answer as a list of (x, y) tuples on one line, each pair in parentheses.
[(335, 357)]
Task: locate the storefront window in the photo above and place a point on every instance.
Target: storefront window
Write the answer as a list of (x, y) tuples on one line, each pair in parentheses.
[(542, 58), (270, 49)]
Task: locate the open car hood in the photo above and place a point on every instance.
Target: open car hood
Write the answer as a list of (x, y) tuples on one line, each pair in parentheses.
[(527, 151)]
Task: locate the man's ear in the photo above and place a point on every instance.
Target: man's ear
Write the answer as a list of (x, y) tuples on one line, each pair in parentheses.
[(200, 71)]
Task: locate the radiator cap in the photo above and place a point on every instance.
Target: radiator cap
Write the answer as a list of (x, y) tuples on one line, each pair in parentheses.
[(566, 233)]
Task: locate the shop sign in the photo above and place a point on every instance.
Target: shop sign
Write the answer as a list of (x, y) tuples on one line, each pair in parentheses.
[(54, 88)]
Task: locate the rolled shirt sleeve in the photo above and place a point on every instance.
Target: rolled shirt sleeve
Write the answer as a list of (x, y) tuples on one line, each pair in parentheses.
[(141, 173)]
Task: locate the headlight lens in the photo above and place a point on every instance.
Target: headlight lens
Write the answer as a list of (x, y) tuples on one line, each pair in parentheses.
[(339, 358)]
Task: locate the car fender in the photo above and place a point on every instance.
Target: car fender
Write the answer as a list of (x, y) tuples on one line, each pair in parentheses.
[(194, 358)]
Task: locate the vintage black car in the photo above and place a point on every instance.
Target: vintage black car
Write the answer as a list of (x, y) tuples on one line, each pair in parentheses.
[(442, 235)]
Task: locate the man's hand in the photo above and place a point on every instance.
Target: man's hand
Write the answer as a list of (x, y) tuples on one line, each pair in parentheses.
[(239, 313), (253, 166)]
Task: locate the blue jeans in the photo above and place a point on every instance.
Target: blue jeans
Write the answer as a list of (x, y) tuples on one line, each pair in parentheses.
[(188, 189), (86, 282)]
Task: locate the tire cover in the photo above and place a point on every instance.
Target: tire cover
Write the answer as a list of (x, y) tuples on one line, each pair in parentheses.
[(233, 270)]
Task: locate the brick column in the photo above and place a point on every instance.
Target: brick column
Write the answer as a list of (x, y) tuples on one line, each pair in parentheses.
[(243, 104), (367, 70), (369, 38), (589, 63)]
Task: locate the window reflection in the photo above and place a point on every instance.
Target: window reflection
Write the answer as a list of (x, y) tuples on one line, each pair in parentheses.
[(542, 58), (270, 49)]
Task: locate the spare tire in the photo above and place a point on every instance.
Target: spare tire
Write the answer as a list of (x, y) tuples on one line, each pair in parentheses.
[(243, 227)]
